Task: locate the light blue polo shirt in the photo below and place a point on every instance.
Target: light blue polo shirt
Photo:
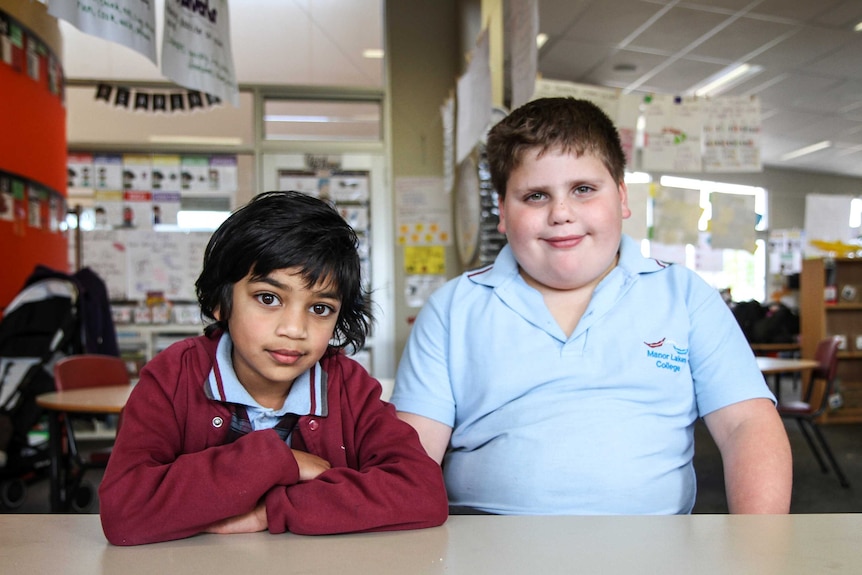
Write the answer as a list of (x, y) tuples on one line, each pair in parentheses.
[(306, 396), (601, 422)]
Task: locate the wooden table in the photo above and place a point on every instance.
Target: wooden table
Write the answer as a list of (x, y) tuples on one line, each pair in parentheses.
[(780, 365), (777, 366), (474, 545), (92, 400), (764, 348)]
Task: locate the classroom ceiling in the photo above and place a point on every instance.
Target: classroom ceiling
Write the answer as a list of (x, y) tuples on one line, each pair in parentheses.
[(809, 85), (810, 58)]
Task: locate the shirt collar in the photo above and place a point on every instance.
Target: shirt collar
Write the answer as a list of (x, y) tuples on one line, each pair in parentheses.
[(307, 395)]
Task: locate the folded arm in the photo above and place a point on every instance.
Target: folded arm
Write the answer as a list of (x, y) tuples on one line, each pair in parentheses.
[(387, 481)]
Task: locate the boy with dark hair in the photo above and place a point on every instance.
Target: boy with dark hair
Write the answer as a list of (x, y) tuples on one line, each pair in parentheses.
[(262, 423), (567, 377)]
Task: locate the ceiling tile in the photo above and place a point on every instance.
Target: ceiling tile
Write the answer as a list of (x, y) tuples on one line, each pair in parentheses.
[(677, 29), (610, 22), (682, 75), (741, 38), (797, 10), (571, 61), (844, 15), (846, 61), (806, 45), (605, 75), (555, 16)]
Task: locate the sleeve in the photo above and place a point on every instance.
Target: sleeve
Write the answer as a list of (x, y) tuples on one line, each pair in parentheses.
[(388, 482), (168, 477), (423, 383), (723, 366)]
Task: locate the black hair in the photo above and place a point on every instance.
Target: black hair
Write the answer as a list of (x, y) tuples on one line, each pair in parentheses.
[(279, 230), (571, 125)]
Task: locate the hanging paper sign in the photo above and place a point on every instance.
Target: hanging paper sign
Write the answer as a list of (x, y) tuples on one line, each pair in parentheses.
[(131, 23), (196, 51)]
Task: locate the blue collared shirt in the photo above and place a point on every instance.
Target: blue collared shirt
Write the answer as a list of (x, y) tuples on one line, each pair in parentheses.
[(306, 395), (598, 422)]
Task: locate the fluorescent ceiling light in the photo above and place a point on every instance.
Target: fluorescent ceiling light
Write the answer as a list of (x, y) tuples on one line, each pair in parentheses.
[(725, 80), (541, 39), (373, 53), (197, 140), (806, 150), (858, 27)]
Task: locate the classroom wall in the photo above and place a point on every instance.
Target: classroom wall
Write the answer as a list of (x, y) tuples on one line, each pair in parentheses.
[(32, 149), (423, 61)]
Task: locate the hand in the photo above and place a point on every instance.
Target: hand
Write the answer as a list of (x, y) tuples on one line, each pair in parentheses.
[(310, 466), (251, 522)]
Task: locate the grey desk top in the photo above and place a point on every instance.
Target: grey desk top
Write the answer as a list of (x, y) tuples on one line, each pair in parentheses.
[(702, 544)]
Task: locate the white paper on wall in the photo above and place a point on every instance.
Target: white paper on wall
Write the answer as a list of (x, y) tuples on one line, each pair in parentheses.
[(474, 99), (732, 222), (673, 135), (731, 135), (131, 23), (676, 212), (196, 51), (827, 218)]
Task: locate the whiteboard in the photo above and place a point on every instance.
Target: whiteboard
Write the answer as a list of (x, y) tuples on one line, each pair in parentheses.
[(134, 262)]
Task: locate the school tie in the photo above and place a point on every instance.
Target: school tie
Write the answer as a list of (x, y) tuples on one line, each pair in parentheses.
[(240, 424)]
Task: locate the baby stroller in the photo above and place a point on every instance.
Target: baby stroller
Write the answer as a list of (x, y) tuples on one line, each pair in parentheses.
[(41, 325)]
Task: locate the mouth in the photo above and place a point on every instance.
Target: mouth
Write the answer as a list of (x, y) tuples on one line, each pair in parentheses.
[(562, 242), (285, 356)]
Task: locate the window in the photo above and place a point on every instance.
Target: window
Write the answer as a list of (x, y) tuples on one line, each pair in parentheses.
[(317, 120), (741, 271)]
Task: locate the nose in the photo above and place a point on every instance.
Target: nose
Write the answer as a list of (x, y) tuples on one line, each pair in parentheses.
[(292, 323), (562, 212)]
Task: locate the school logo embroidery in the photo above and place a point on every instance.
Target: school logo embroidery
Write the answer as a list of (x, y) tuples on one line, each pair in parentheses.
[(660, 351)]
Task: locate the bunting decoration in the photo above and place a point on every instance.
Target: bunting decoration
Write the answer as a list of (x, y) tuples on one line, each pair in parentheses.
[(140, 100)]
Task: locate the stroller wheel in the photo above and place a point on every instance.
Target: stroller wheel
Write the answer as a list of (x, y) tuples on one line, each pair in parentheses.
[(83, 497), (12, 493)]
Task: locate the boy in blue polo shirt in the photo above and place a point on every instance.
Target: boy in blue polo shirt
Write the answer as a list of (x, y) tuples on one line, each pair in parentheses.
[(567, 377)]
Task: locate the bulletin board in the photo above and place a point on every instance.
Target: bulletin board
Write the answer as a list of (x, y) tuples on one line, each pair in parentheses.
[(134, 262)]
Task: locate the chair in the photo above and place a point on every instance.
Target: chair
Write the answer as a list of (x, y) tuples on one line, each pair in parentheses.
[(815, 402), (77, 372)]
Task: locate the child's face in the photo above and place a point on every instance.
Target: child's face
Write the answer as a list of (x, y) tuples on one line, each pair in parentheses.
[(562, 215), (279, 329)]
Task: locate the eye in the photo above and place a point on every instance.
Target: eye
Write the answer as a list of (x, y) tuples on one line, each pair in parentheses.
[(582, 190), (268, 299), (534, 197), (322, 310)]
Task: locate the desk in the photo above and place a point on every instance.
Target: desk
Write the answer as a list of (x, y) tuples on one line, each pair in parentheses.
[(767, 348), (776, 366), (474, 545), (779, 365), (91, 400)]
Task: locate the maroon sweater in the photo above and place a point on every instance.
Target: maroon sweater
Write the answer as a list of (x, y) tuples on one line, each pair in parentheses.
[(172, 474)]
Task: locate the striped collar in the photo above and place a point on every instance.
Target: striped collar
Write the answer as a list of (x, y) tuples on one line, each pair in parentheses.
[(307, 395)]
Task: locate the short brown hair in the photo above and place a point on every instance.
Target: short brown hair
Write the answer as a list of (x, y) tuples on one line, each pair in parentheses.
[(572, 125)]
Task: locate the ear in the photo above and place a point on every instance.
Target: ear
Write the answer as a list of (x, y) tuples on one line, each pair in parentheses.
[(501, 225), (216, 314), (624, 200)]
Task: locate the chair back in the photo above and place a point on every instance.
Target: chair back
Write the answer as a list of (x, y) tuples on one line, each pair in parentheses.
[(827, 356), (90, 370)]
